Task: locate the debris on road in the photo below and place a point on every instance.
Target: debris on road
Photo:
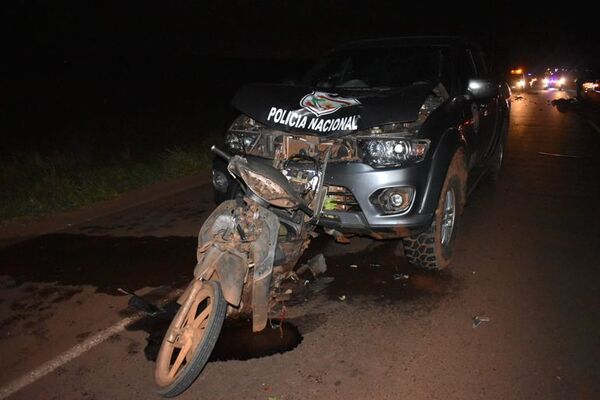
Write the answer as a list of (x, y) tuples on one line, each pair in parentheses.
[(290, 275), (563, 102), (338, 236), (316, 265), (140, 304), (478, 319), (321, 283), (353, 266), (519, 97), (342, 297), (401, 277)]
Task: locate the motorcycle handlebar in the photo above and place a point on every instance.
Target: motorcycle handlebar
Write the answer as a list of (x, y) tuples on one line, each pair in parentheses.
[(220, 153), (306, 209)]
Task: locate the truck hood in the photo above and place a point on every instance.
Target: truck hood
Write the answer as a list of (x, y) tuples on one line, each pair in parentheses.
[(326, 112)]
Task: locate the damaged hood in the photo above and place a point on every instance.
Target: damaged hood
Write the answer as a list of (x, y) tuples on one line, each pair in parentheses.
[(326, 112)]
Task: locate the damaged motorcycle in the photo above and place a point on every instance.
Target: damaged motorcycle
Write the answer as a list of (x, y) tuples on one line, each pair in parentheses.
[(246, 247)]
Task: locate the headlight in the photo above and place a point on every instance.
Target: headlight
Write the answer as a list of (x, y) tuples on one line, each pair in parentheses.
[(390, 152), (240, 143), (243, 134), (267, 190), (546, 80), (562, 81), (521, 83), (392, 145)]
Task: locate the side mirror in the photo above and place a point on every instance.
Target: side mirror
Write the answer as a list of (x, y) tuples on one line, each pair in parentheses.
[(482, 88)]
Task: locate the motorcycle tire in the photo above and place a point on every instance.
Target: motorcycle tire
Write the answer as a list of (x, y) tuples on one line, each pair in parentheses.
[(196, 335)]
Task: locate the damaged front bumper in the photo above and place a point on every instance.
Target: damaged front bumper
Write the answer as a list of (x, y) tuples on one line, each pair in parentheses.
[(355, 190), (365, 182)]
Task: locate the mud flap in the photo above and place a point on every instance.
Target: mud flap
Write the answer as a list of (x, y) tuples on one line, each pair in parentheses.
[(263, 254)]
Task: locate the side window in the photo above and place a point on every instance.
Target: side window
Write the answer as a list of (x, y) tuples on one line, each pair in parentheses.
[(466, 68)]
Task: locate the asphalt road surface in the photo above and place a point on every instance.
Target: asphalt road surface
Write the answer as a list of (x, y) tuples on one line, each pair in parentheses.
[(527, 259)]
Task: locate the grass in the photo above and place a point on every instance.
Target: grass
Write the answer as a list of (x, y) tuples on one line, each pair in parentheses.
[(36, 185)]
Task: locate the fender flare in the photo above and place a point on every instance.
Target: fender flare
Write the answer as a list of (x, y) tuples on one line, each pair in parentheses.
[(450, 142)]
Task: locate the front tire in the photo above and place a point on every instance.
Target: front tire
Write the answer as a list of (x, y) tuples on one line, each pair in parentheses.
[(432, 249), (190, 339)]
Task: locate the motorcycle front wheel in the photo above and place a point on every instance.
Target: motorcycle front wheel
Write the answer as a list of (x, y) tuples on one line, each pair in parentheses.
[(190, 339)]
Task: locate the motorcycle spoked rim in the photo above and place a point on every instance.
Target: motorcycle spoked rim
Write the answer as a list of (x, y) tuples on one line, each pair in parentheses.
[(166, 379)]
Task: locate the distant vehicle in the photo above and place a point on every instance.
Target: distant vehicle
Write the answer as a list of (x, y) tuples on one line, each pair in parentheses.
[(588, 86), (553, 80), (413, 124), (517, 80)]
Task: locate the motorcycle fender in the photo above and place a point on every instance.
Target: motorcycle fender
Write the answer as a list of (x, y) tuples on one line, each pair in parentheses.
[(231, 268), (263, 251), (230, 265)]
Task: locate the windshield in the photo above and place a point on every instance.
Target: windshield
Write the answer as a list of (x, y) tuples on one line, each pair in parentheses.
[(379, 67)]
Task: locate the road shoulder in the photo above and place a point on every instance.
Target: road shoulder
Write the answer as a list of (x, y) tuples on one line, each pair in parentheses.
[(16, 231)]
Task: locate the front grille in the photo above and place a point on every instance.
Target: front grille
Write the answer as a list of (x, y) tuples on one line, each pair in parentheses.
[(340, 198)]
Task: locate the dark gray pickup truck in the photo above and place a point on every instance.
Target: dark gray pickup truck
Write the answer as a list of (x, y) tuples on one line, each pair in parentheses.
[(414, 124)]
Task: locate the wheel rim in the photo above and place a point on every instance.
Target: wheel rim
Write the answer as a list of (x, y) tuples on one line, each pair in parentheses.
[(448, 216), (183, 338)]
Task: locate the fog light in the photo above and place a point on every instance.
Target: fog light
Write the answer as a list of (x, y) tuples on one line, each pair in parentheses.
[(220, 181), (394, 200)]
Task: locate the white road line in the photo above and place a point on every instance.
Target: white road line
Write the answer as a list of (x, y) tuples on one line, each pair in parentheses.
[(559, 155), (67, 356), (594, 125)]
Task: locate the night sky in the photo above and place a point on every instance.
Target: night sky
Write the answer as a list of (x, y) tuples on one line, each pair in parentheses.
[(512, 33)]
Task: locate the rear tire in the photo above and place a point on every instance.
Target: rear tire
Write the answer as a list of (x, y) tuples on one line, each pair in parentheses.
[(172, 377), (432, 249)]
